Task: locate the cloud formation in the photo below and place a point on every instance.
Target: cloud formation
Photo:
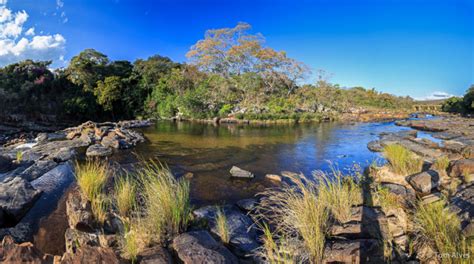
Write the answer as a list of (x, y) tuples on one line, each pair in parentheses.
[(16, 44), (438, 95)]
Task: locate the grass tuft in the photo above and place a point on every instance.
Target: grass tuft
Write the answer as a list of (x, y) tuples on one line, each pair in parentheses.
[(275, 251), (125, 190), (166, 200), (402, 161), (222, 227), (386, 199), (441, 164)]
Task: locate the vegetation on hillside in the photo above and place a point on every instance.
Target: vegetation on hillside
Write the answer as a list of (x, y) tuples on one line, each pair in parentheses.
[(462, 105), (230, 72)]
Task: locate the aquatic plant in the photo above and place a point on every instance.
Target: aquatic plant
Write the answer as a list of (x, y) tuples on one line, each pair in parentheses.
[(222, 227), (402, 161), (166, 200), (124, 194)]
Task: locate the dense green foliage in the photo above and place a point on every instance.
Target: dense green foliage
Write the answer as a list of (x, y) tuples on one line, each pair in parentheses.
[(231, 73), (464, 105)]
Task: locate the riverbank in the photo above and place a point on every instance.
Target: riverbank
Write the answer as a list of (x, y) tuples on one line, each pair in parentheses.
[(357, 239)]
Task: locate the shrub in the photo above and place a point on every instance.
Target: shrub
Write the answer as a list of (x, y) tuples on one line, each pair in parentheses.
[(222, 227), (402, 161), (166, 200), (225, 110)]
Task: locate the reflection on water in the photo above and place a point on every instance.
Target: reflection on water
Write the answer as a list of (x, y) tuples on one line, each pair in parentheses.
[(210, 151)]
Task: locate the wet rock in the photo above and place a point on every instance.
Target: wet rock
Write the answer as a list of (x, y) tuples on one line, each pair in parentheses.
[(79, 213), (424, 182), (12, 253), (76, 239), (88, 254), (17, 196), (460, 168), (37, 169), (242, 236), (273, 177), (240, 173), (200, 247), (247, 204), (98, 150), (353, 251), (155, 255)]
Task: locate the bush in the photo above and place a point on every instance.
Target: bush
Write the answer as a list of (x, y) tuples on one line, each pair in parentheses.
[(225, 110), (402, 161)]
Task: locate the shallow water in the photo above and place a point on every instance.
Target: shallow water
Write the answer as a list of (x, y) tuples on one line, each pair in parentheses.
[(209, 151)]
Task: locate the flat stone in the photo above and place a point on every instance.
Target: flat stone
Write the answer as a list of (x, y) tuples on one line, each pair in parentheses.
[(460, 168), (155, 255), (353, 251), (17, 196), (89, 254), (36, 170), (98, 150), (425, 181), (199, 247), (240, 173), (431, 198)]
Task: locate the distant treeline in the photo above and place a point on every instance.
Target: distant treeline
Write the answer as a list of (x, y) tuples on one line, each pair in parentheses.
[(230, 72), (461, 105)]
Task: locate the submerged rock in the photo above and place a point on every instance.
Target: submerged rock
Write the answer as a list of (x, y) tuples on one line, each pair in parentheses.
[(240, 173), (17, 196), (200, 247)]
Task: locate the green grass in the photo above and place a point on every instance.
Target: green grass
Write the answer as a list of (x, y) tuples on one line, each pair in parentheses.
[(402, 161), (19, 156), (91, 178), (275, 251), (166, 200), (222, 227), (133, 241), (385, 199), (339, 193), (439, 228), (300, 218), (441, 164), (125, 191)]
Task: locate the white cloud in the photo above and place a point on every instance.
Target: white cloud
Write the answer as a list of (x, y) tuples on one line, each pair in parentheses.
[(438, 95), (30, 32), (59, 4), (17, 44)]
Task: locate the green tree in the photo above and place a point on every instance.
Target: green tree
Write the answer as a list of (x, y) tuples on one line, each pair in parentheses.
[(87, 68), (109, 92)]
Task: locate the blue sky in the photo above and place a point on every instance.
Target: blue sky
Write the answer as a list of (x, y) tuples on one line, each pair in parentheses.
[(405, 47)]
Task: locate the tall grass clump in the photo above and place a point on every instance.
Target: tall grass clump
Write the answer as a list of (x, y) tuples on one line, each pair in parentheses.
[(275, 251), (385, 198), (222, 227), (339, 193), (441, 164), (402, 161), (125, 191), (91, 178), (300, 219), (134, 239), (440, 229), (166, 200)]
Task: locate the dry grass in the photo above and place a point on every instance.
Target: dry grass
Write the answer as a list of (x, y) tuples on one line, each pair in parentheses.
[(222, 227), (339, 193), (385, 199), (275, 251), (300, 218), (166, 201), (135, 239), (439, 228), (402, 161), (125, 190), (91, 177), (441, 164)]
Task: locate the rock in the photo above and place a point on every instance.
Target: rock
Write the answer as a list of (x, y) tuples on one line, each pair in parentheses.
[(88, 254), (406, 195), (17, 196), (76, 239), (113, 224), (461, 168), (37, 169), (375, 146), (109, 241), (424, 182), (273, 177), (79, 212), (240, 173), (6, 164), (189, 175), (353, 251), (431, 198), (12, 253), (135, 123), (462, 203), (111, 141), (247, 204), (98, 150), (198, 247), (155, 255), (42, 137), (64, 154), (242, 235)]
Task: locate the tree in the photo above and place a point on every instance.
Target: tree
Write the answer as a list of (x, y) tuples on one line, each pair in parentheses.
[(87, 68), (469, 99), (109, 92)]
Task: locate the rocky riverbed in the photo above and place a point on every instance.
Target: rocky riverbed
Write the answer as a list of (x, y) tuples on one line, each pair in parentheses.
[(357, 240)]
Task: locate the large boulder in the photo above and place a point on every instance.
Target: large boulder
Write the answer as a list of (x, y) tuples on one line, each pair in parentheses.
[(461, 168), (36, 170), (240, 173), (12, 253), (242, 236), (17, 196), (88, 254), (425, 181), (79, 212), (98, 150), (199, 247)]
